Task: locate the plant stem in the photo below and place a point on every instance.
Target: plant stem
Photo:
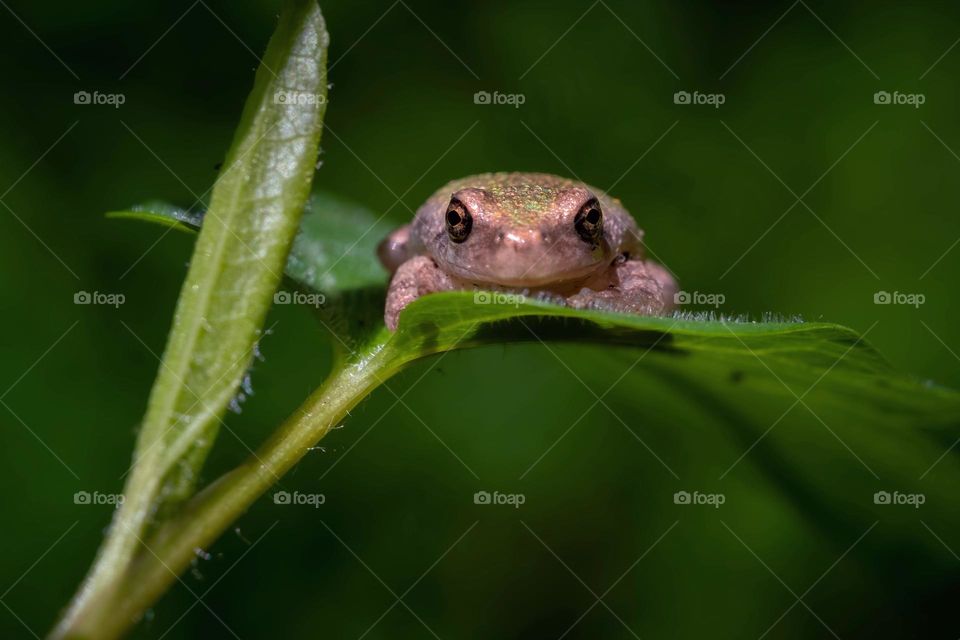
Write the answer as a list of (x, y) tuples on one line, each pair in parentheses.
[(113, 609)]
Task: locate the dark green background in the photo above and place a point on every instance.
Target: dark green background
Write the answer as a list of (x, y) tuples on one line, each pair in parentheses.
[(402, 120)]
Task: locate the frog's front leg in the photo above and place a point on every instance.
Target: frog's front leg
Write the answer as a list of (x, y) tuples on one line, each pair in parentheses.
[(631, 286), (416, 277)]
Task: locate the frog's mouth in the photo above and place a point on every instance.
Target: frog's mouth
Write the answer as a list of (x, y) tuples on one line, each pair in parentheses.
[(499, 276)]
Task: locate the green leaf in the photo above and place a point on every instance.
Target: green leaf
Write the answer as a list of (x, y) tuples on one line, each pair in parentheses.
[(331, 253), (334, 254), (730, 370), (247, 233), (335, 250), (237, 263), (163, 214), (772, 358)]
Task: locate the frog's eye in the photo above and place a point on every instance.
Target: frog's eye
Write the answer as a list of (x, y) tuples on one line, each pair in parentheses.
[(459, 221), (589, 222)]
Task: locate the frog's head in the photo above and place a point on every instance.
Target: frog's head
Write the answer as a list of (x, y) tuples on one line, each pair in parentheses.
[(521, 230)]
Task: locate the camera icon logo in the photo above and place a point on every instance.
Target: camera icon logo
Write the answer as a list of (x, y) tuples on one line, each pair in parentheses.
[(81, 97), (481, 297), (881, 497), (681, 97), (82, 297), (681, 497), (282, 297), (81, 497), (682, 297), (882, 297), (881, 97), (481, 497), (482, 97), (281, 497)]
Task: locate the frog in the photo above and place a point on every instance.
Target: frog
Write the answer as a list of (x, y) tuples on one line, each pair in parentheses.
[(530, 236)]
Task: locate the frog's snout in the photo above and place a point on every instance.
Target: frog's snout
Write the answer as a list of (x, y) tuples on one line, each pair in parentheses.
[(517, 241)]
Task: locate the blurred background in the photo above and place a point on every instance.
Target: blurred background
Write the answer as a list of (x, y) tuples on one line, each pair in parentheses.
[(794, 158)]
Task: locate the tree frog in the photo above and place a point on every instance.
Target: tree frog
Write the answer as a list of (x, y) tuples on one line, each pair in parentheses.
[(532, 234)]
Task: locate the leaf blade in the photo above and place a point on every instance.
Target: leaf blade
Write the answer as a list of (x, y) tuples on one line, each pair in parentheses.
[(254, 213), (256, 205)]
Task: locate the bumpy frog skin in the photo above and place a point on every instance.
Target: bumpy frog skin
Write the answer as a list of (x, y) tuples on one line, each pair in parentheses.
[(534, 234)]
